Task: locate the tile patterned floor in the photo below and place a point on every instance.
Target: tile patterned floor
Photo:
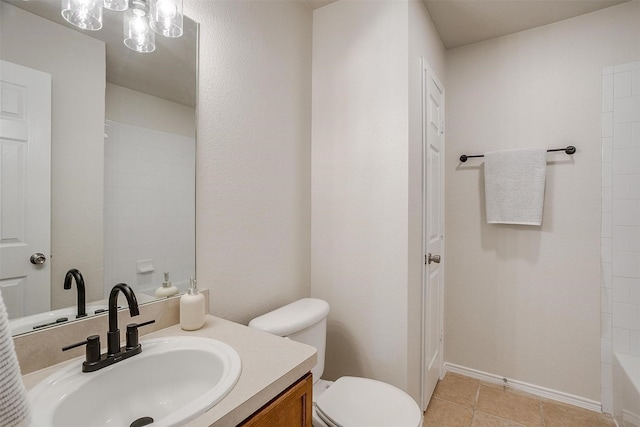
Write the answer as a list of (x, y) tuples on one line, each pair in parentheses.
[(460, 401)]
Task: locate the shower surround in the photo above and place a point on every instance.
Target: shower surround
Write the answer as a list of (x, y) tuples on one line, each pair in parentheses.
[(620, 313), (149, 207)]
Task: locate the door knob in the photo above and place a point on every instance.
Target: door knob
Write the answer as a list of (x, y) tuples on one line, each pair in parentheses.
[(38, 258), (434, 258)]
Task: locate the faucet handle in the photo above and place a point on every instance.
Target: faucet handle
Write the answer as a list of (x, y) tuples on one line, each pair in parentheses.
[(132, 333), (92, 349)]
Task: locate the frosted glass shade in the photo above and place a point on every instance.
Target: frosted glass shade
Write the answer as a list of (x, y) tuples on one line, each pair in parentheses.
[(84, 14), (166, 17), (138, 35)]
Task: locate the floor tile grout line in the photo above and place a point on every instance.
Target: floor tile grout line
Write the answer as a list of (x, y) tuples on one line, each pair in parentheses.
[(475, 405), (510, 421), (507, 389)]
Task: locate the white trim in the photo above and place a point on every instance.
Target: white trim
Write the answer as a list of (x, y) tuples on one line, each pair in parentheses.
[(630, 417), (423, 397), (559, 396)]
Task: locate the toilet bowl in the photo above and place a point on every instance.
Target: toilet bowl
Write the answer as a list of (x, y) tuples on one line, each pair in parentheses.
[(354, 401), (349, 401)]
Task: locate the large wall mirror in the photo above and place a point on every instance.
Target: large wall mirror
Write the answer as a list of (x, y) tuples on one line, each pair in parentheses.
[(97, 162)]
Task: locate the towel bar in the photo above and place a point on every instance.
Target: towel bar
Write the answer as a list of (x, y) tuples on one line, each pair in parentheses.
[(569, 150)]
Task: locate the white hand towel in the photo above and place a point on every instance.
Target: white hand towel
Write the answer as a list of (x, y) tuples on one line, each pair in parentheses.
[(14, 407), (514, 186)]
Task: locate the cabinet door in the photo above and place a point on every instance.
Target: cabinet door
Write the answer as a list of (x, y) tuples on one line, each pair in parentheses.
[(292, 408)]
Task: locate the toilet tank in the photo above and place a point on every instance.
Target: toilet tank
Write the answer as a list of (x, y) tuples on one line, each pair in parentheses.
[(303, 321)]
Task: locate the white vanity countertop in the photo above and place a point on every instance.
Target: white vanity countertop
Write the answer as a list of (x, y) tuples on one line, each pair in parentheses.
[(269, 365)]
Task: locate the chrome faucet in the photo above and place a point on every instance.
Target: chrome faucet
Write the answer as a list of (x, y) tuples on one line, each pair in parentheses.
[(95, 360), (75, 274)]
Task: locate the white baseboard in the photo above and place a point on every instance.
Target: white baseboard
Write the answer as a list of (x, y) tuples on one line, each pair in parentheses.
[(529, 388), (629, 418)]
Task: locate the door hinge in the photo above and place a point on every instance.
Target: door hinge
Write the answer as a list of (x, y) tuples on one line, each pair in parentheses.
[(442, 128)]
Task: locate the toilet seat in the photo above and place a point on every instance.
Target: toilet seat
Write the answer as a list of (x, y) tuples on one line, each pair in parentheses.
[(356, 402)]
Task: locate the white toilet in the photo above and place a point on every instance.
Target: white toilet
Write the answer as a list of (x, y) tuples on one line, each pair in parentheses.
[(349, 401)]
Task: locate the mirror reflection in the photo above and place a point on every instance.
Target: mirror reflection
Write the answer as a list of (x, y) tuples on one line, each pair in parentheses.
[(97, 164)]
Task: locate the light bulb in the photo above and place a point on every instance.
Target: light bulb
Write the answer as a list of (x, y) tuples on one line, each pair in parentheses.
[(83, 4), (166, 9), (138, 26)]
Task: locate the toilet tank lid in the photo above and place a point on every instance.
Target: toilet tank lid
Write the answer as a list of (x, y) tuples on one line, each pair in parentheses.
[(292, 317)]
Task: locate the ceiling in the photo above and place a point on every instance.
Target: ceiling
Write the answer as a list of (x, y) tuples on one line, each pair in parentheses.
[(458, 22), (461, 22)]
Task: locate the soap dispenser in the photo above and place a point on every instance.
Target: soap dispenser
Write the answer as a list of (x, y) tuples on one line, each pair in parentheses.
[(192, 309), (167, 289)]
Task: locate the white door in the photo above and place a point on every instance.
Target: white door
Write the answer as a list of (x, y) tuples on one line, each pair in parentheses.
[(25, 188), (433, 197)]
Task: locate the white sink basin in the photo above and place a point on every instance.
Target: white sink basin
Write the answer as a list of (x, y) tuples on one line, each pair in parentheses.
[(173, 380)]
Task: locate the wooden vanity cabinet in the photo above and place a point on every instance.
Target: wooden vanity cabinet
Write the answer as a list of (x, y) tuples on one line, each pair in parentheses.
[(291, 408)]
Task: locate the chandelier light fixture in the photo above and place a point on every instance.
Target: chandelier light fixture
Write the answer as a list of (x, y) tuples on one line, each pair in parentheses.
[(142, 19)]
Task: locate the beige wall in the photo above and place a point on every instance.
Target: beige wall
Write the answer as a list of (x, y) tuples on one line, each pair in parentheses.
[(253, 180), (359, 185), (366, 173), (136, 108), (524, 302), (77, 66)]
